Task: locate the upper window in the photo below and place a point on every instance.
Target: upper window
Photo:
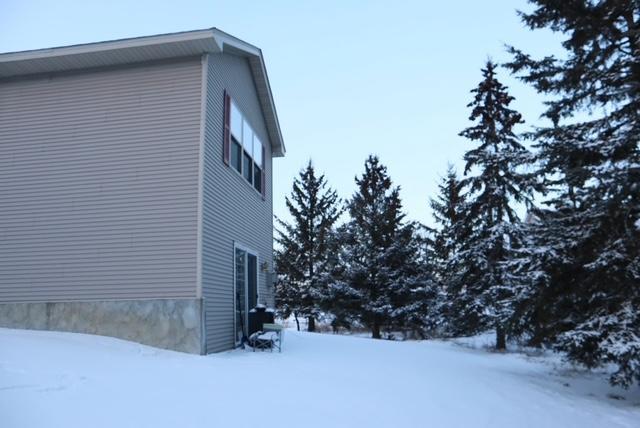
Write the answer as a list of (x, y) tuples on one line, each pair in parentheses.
[(236, 122), (246, 149)]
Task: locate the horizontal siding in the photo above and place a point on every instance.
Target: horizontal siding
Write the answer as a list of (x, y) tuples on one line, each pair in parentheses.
[(99, 184), (232, 210)]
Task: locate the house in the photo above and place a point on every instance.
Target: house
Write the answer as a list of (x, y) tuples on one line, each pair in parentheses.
[(135, 188)]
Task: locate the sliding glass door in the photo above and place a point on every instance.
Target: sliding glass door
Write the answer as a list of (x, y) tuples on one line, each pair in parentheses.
[(246, 289)]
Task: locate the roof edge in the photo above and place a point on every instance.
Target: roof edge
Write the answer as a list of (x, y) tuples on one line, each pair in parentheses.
[(107, 45)]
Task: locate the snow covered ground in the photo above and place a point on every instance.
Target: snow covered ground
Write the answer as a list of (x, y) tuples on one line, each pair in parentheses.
[(50, 379)]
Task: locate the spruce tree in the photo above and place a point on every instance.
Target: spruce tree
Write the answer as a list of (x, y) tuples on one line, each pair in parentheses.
[(591, 160), (448, 210), (339, 300), (494, 178), (382, 272), (302, 257)]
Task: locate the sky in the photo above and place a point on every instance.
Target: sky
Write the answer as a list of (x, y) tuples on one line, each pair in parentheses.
[(350, 78)]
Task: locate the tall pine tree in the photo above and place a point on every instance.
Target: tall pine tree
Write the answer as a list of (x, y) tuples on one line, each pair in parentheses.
[(448, 210), (494, 178), (591, 160), (303, 254), (382, 272)]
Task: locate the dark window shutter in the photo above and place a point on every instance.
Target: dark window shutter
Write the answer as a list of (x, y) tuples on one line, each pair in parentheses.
[(227, 127), (263, 174)]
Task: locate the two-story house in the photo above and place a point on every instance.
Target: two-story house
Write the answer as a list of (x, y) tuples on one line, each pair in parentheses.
[(135, 188)]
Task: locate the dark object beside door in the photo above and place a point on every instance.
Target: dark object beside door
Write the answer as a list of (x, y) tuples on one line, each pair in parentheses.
[(258, 317)]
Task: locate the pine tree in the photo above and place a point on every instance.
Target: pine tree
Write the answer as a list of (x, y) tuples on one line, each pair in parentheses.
[(531, 272), (302, 257), (591, 160), (340, 301), (448, 210), (382, 272), (494, 177)]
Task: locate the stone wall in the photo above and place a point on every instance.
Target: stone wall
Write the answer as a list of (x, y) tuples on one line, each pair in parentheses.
[(164, 323)]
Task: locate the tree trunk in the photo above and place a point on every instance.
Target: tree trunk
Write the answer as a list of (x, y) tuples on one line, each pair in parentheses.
[(295, 316), (501, 338), (375, 330), (311, 324), (537, 337)]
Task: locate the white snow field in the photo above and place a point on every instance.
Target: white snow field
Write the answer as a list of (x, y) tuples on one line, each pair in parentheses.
[(50, 379)]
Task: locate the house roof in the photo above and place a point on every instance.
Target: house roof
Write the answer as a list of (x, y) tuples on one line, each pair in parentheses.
[(139, 49)]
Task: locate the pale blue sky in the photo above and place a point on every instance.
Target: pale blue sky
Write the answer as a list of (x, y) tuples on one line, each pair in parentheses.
[(350, 78)]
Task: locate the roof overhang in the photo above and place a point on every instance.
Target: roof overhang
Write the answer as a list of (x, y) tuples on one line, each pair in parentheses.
[(151, 48)]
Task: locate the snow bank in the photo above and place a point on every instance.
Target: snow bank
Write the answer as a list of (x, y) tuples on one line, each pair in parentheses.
[(52, 379)]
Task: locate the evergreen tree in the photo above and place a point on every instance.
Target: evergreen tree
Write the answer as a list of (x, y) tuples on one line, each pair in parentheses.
[(494, 177), (531, 271), (340, 301), (448, 209), (286, 291), (590, 158), (382, 274), (303, 253)]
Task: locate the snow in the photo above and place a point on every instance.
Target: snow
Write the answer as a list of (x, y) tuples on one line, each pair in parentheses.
[(50, 379)]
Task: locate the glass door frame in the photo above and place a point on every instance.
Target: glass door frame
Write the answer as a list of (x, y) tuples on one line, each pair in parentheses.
[(247, 251)]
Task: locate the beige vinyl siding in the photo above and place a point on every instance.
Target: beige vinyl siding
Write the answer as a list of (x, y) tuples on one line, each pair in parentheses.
[(99, 183), (232, 210)]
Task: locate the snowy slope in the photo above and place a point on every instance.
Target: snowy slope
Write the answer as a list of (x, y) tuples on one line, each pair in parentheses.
[(52, 379)]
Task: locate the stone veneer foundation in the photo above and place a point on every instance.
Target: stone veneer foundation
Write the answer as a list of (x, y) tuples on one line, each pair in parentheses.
[(165, 323)]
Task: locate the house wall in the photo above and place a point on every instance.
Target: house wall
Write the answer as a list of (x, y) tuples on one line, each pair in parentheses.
[(164, 323), (99, 184), (232, 210)]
